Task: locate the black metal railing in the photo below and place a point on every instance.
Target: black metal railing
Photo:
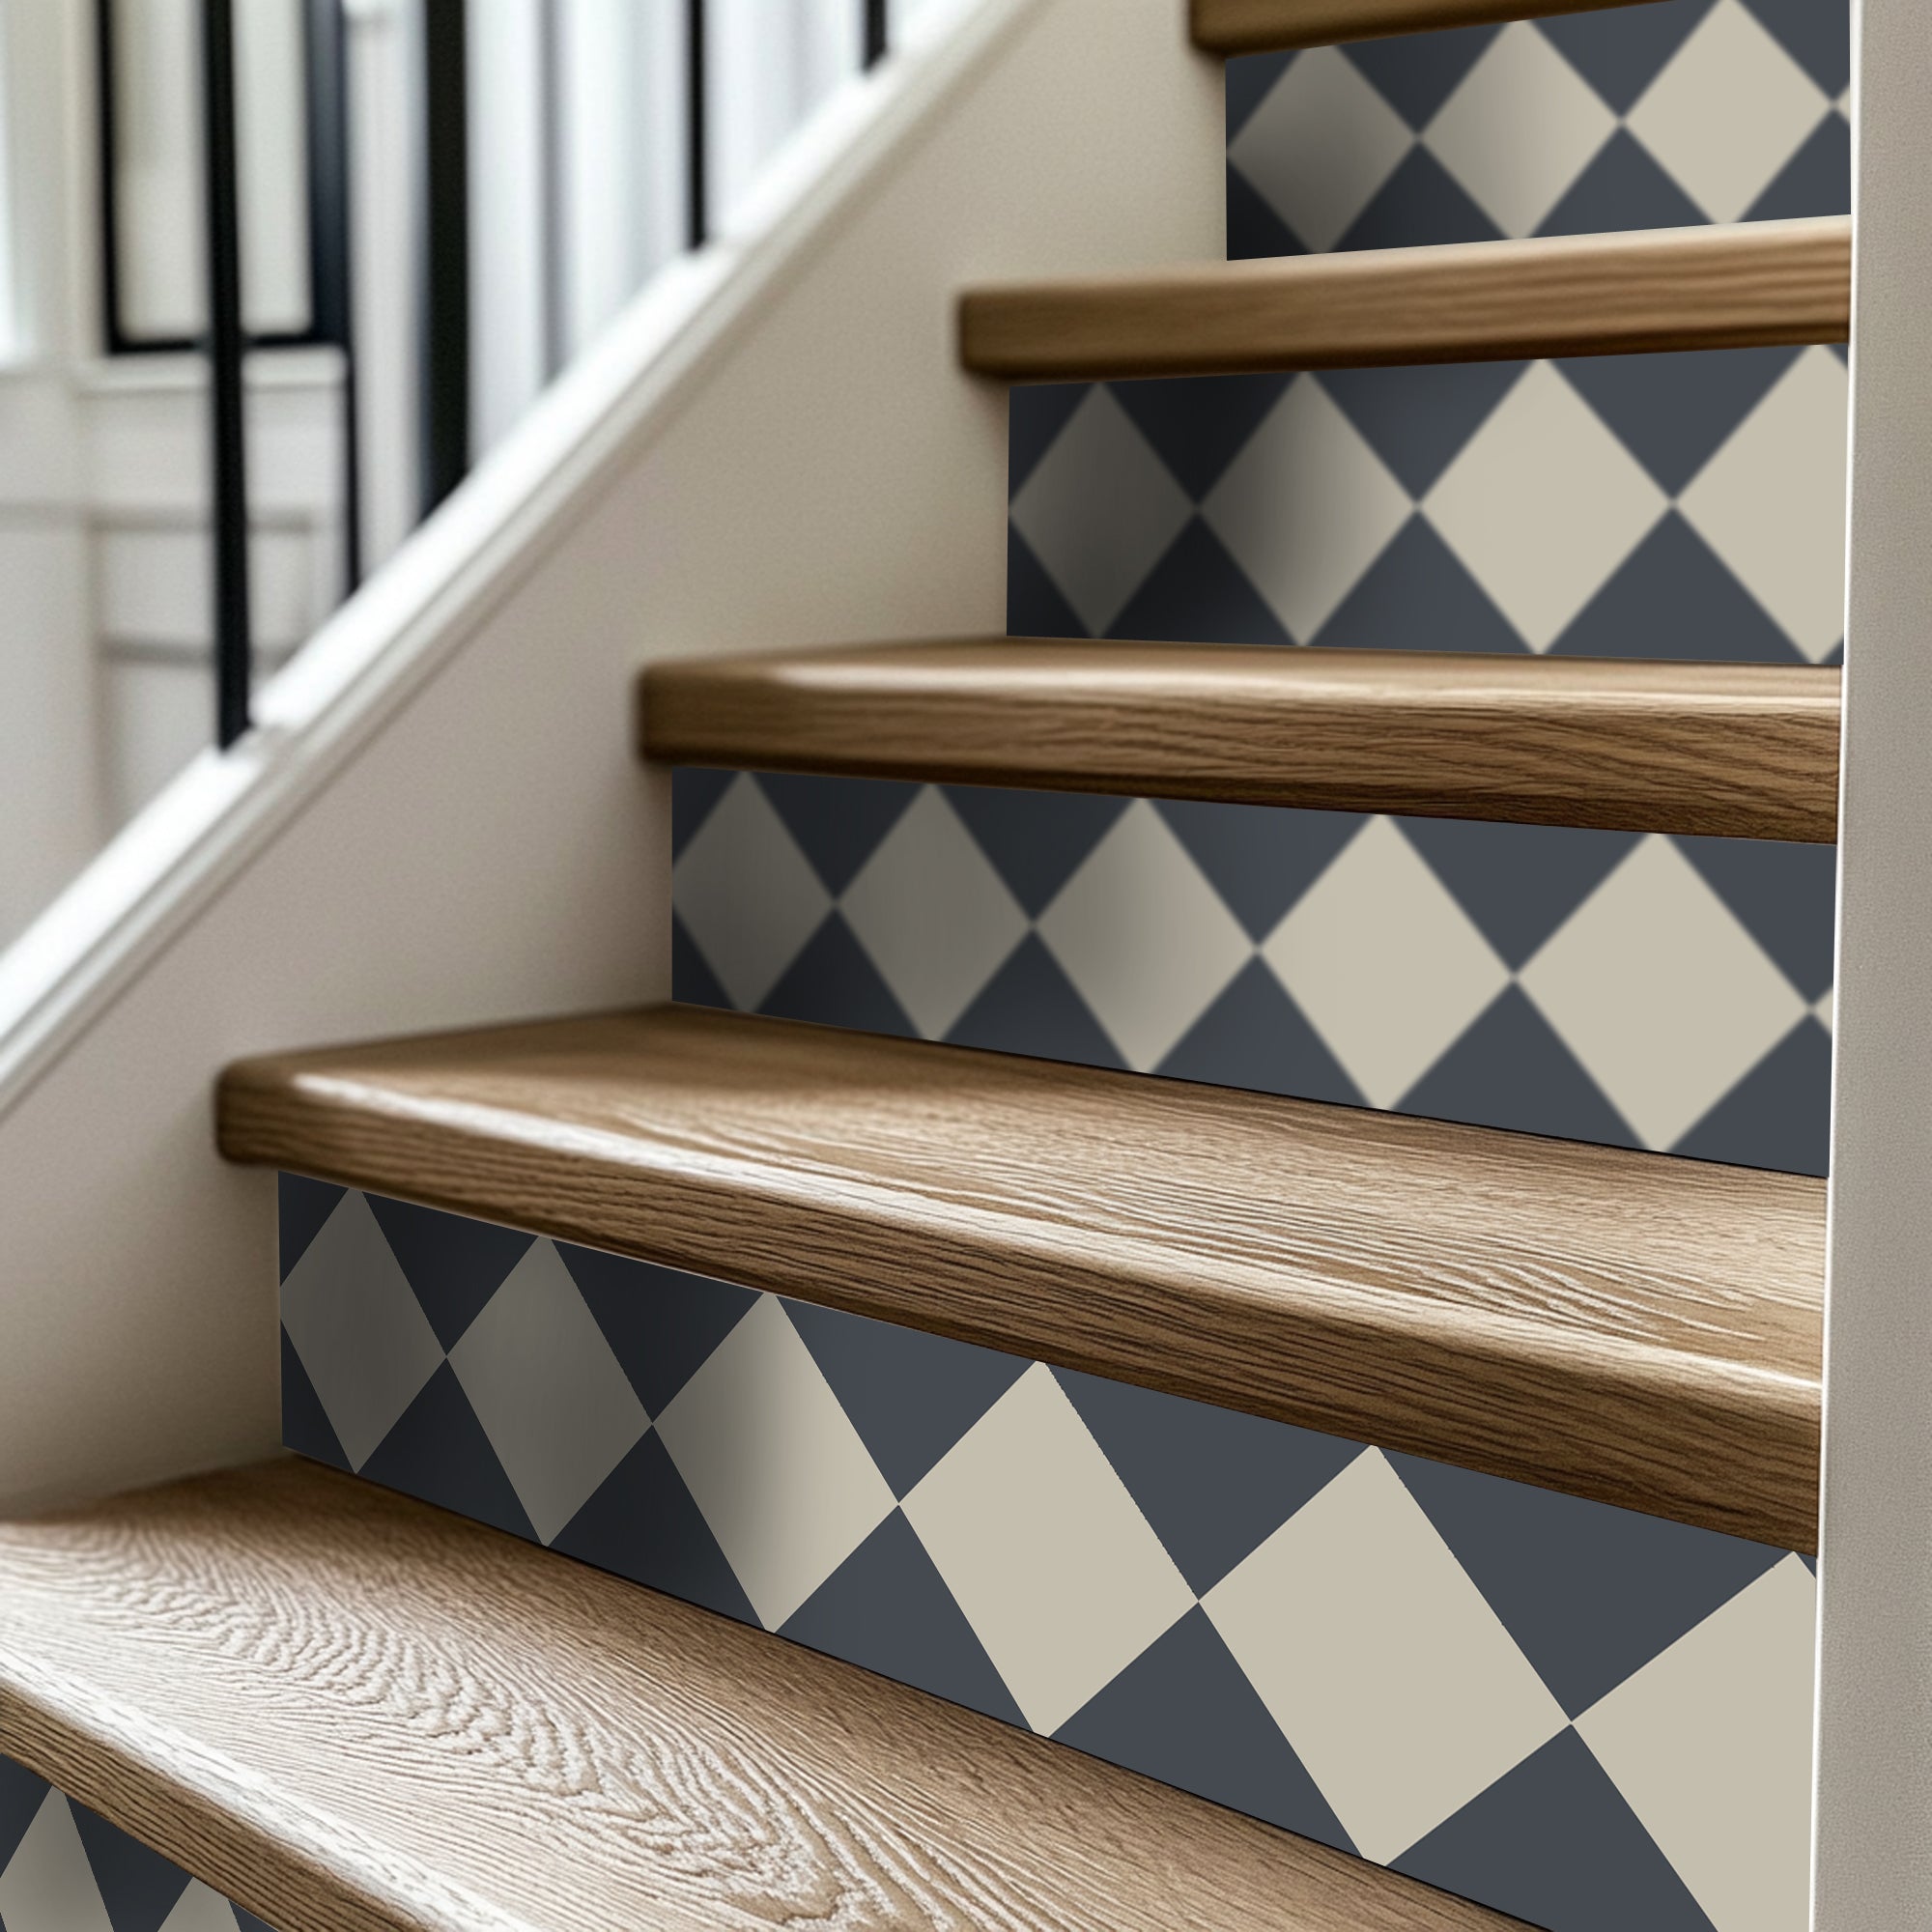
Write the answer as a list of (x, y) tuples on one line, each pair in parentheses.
[(443, 440)]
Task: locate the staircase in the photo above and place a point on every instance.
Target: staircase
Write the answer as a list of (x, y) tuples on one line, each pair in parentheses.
[(1061, 1498)]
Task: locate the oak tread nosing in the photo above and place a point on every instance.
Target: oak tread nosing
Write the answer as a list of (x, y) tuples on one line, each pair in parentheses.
[(1642, 1331), (1753, 283), (350, 1711), (1726, 749), (1267, 27)]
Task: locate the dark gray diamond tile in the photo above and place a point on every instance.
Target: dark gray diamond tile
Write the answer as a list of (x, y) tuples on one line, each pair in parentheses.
[(1518, 882), (21, 1796), (1511, 1071), (642, 1524), (1418, 419), (1674, 412), (1622, 188), (1254, 227), (1213, 1484), (909, 1394), (1421, 202), (301, 1206), (305, 1425), (693, 983), (1817, 34), (1621, 51), (1259, 859), (454, 1264), (1784, 894), (1817, 180), (1198, 424), (1031, 1006), (694, 790), (1256, 1038), (438, 1454), (661, 1323), (1036, 607), (139, 1888), (1036, 841), (1184, 1712), (1418, 596), (887, 1608), (1415, 74), (1553, 1842), (838, 822), (1779, 1115), (1035, 415), (1250, 77), (1198, 594), (1673, 597), (1590, 1593), (834, 982)]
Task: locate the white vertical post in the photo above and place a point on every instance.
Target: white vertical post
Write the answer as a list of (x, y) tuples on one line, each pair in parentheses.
[(1874, 1773)]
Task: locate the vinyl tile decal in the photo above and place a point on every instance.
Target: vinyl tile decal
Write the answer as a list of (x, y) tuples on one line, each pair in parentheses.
[(1573, 1712)]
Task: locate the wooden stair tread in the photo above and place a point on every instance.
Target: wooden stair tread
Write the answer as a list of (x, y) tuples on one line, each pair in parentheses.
[(350, 1711), (1638, 1330), (1746, 750), (1757, 282), (1266, 27)]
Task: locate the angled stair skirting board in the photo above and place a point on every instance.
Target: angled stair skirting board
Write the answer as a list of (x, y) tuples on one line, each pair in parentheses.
[(1747, 285), (1654, 992), (1254, 26), (1744, 750), (64, 1869), (364, 1714), (1576, 1714), (1643, 1332)]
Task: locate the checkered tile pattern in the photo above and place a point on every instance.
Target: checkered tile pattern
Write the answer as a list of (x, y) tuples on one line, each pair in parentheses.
[(1652, 992), (64, 1869), (1671, 994), (1575, 1713), (1658, 116)]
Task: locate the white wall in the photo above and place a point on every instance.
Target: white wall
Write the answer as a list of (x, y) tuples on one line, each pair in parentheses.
[(442, 821)]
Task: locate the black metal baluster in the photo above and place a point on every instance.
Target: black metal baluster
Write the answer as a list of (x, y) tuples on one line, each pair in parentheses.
[(874, 31), (332, 274), (696, 129), (226, 350), (445, 230)]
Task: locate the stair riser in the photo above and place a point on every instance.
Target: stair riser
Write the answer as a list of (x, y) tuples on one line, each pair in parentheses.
[(63, 1868), (1488, 1686), (1651, 992)]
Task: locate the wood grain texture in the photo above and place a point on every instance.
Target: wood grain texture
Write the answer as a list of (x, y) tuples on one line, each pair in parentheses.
[(1583, 295), (1742, 750), (1264, 26), (350, 1711), (1625, 1327)]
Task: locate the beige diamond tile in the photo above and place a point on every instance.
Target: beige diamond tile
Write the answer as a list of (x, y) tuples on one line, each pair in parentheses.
[(559, 1411), (1145, 940), (1711, 1746), (1320, 146), (1520, 129), (1660, 992), (746, 895), (49, 1885), (1045, 1552), (1728, 112), (1543, 504), (772, 1464), (1772, 501), (1386, 1668), (1388, 968), (200, 1910), (1306, 508), (933, 914), (1100, 510)]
